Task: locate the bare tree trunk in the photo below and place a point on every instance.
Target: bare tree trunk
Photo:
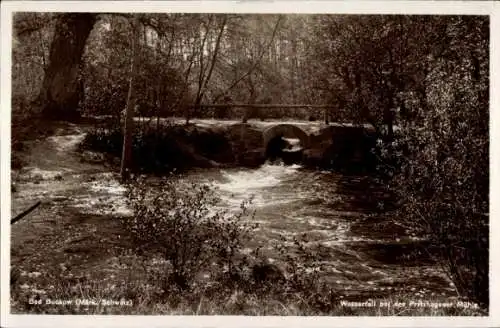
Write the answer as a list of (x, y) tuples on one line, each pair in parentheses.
[(60, 94), (203, 80), (186, 79), (131, 99), (294, 67), (214, 57), (255, 64)]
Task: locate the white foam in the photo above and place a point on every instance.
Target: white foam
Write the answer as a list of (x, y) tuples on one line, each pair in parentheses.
[(238, 186), (111, 205), (45, 174), (294, 144), (107, 196), (248, 181), (108, 186), (67, 142)]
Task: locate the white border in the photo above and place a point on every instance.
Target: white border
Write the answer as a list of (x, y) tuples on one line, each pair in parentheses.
[(345, 7), (261, 6)]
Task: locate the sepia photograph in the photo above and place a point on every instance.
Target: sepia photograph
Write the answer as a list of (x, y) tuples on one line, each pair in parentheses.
[(233, 163)]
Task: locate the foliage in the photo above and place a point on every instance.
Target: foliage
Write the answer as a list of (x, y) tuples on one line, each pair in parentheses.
[(30, 53), (165, 150), (306, 275), (106, 70), (440, 161), (183, 224), (428, 74), (186, 59)]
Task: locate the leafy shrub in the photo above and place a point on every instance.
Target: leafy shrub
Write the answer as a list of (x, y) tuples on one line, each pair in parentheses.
[(443, 184), (440, 163), (181, 222)]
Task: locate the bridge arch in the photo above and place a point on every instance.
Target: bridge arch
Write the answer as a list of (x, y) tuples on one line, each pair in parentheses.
[(287, 131)]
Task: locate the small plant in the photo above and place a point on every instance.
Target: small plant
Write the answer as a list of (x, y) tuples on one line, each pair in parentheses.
[(181, 222)]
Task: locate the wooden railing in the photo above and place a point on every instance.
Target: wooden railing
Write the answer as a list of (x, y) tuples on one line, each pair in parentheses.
[(268, 106)]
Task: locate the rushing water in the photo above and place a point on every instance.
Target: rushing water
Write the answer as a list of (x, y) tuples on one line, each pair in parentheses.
[(363, 253)]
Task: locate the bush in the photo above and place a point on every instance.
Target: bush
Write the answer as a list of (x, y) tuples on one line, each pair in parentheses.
[(181, 223), (165, 150), (440, 165), (444, 188)]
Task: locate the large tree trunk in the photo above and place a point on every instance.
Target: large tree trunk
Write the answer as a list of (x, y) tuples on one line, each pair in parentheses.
[(61, 89)]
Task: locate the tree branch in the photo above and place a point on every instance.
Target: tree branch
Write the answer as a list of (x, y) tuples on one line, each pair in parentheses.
[(214, 58), (255, 64)]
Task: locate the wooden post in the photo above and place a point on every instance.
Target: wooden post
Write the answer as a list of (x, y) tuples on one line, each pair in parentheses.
[(129, 112), (246, 111)]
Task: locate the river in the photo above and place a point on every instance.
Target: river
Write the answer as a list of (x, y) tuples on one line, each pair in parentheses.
[(362, 252)]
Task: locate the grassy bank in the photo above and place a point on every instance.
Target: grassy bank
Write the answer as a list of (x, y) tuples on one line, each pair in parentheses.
[(139, 295)]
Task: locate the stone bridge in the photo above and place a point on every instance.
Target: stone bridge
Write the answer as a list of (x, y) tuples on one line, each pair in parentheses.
[(309, 134), (317, 139), (320, 145), (318, 142)]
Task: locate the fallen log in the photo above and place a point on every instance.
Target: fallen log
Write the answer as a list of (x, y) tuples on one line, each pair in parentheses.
[(23, 214)]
